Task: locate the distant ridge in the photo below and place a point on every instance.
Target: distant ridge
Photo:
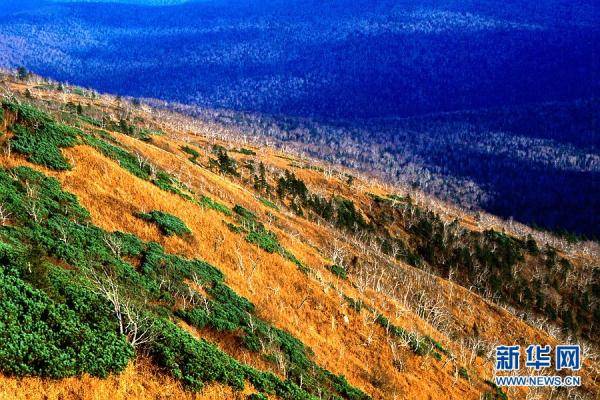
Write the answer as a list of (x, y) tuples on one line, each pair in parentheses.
[(136, 2)]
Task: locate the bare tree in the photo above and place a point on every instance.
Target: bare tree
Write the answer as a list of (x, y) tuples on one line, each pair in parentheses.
[(133, 323), (200, 292), (246, 271), (31, 205), (4, 215), (141, 160), (113, 243)]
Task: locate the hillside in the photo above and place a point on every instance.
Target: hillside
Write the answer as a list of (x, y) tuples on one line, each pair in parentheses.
[(149, 255), (533, 163)]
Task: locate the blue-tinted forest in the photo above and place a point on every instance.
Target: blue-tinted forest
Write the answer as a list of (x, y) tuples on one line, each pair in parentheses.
[(486, 103)]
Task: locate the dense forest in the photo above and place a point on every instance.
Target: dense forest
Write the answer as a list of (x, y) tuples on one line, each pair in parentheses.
[(339, 59), (490, 106)]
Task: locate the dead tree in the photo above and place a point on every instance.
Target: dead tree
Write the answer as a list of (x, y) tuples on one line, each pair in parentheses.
[(133, 323)]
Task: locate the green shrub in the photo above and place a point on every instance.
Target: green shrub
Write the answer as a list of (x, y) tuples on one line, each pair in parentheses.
[(342, 387), (247, 152), (39, 137), (399, 198), (170, 184), (290, 256), (357, 306), (257, 233), (17, 186), (145, 133), (130, 245), (256, 396), (207, 202), (90, 120), (264, 239), (497, 394), (194, 362), (193, 153), (338, 271), (234, 228), (437, 345), (40, 337), (268, 203), (159, 266), (168, 224), (244, 213)]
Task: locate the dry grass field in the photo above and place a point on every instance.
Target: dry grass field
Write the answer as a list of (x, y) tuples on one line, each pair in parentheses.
[(313, 306)]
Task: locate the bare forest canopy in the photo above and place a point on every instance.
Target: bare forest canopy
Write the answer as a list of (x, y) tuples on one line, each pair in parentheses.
[(486, 104)]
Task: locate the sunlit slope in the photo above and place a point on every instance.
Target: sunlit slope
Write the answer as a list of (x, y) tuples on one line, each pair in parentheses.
[(222, 270)]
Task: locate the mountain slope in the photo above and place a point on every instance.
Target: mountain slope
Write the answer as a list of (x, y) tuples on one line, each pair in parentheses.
[(533, 163), (234, 261)]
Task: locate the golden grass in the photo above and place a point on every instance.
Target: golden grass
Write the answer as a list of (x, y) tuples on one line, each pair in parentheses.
[(139, 381), (283, 295), (309, 307)]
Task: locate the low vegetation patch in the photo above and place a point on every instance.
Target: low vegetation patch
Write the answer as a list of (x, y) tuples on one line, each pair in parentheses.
[(130, 129), (247, 152), (193, 153), (268, 203), (168, 224), (496, 394), (207, 202), (39, 137), (338, 271), (421, 346), (137, 165), (257, 234)]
